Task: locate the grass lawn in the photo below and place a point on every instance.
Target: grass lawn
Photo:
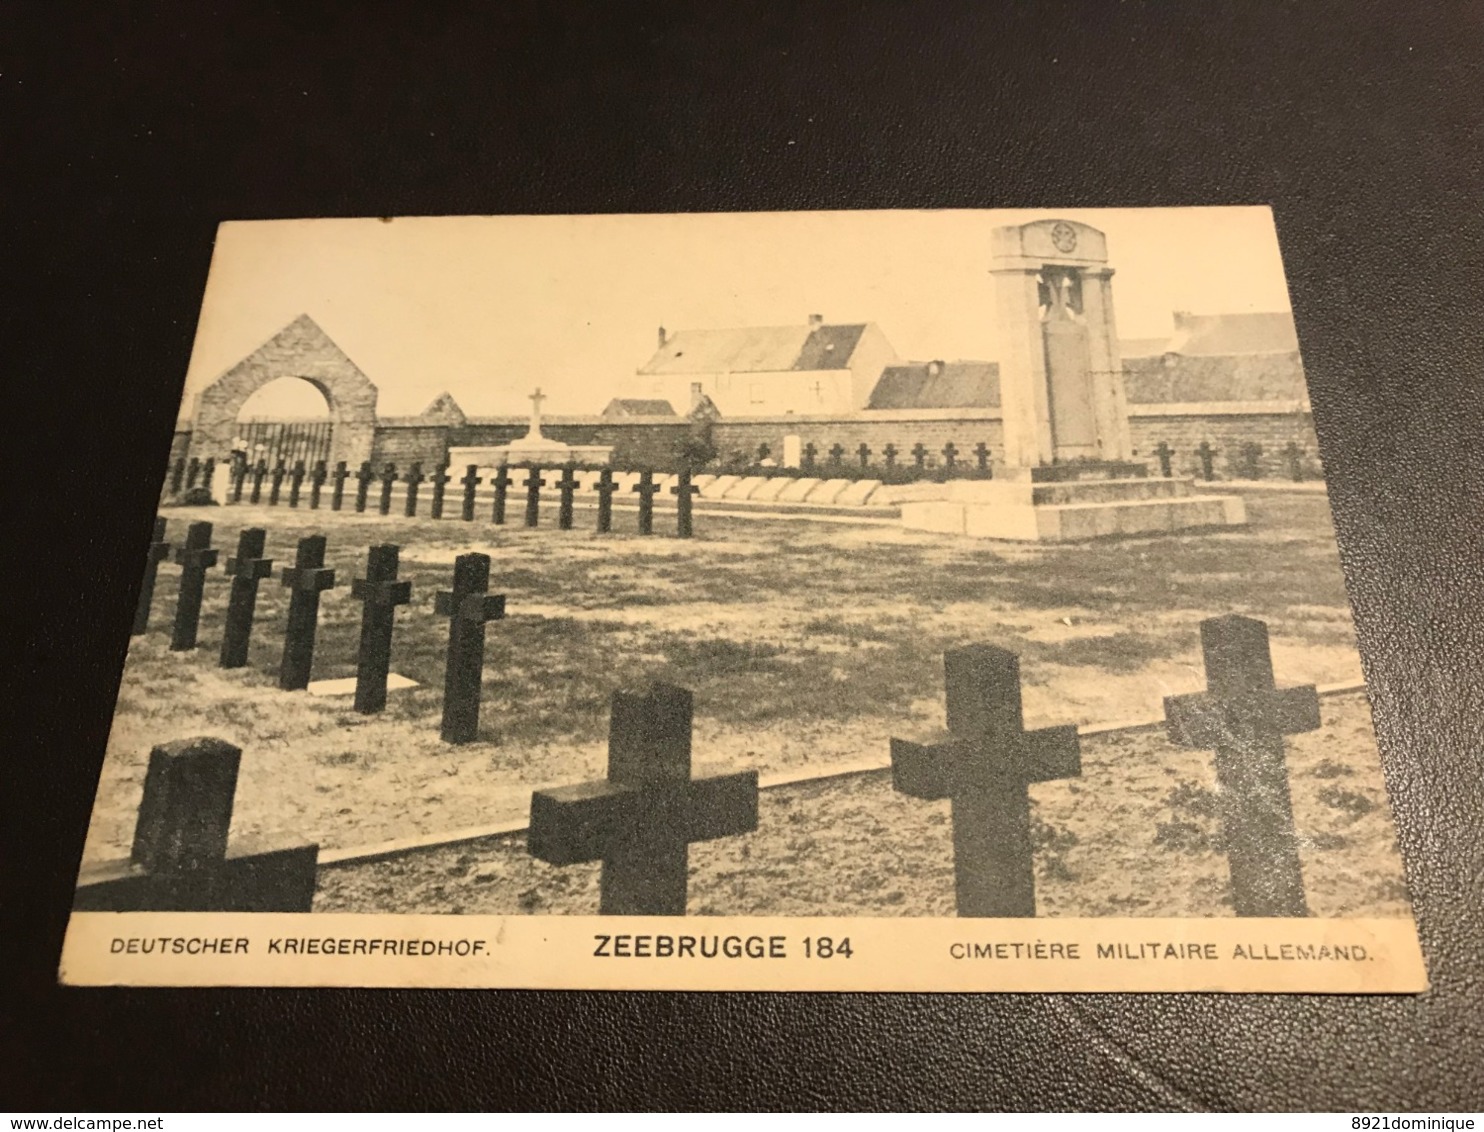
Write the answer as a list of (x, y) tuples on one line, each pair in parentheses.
[(805, 644)]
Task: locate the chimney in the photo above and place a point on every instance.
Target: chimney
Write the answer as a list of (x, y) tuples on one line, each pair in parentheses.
[(696, 396), (816, 321), (934, 368), (663, 338)]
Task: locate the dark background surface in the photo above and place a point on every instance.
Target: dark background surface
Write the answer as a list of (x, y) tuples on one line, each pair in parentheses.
[(123, 141)]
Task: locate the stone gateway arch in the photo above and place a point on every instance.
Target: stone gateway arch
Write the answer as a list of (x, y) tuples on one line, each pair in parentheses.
[(301, 349)]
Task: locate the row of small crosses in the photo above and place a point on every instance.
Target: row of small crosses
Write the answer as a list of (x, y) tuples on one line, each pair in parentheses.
[(468, 605), (646, 489), (641, 819)]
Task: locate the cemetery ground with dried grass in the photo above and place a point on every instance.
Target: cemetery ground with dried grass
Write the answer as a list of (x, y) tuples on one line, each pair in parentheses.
[(805, 644)]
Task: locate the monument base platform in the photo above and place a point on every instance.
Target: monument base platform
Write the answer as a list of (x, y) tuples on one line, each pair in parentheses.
[(1070, 509), (548, 454)]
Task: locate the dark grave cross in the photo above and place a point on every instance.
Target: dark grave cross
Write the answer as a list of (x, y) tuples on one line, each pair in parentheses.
[(337, 485), (239, 479), (1164, 452), (919, 454), (440, 480), (296, 482), (181, 859), (641, 819), (471, 481), (837, 454), (806, 459), (683, 491), (388, 478), (763, 452), (276, 483), (864, 453), (177, 476), (194, 558), (534, 484), (363, 484), (412, 479), (468, 607), (605, 488), (1251, 466), (981, 456), (1244, 716), (1293, 455), (380, 593), (950, 455), (317, 477), (984, 767), (259, 474), (501, 484), (246, 569), (159, 550), (193, 472), (305, 580), (646, 487), (1207, 455), (889, 454), (568, 486), (208, 470)]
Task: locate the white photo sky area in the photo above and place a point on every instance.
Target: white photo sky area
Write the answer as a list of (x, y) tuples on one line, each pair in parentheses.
[(489, 307)]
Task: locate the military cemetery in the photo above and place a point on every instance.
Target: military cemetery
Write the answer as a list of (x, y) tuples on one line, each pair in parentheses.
[(787, 625)]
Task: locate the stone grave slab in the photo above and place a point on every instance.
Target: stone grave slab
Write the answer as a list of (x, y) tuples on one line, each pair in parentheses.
[(744, 488), (827, 492), (718, 487), (858, 493), (772, 489), (796, 489), (346, 685)]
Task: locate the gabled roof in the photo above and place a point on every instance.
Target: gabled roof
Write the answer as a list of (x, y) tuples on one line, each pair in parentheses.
[(638, 407), (938, 385), (1207, 335), (443, 410), (757, 349)]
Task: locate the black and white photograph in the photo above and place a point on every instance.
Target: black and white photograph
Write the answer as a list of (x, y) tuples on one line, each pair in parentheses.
[(962, 583)]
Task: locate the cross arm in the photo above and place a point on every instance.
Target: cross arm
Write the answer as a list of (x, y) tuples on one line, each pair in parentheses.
[(1051, 753), (252, 568), (477, 608), (719, 805), (381, 593), (571, 824), (308, 578), (922, 770), (1201, 720), (252, 878), (196, 556)]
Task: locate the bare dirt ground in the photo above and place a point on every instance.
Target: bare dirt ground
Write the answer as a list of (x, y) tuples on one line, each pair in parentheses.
[(805, 645), (1136, 835)]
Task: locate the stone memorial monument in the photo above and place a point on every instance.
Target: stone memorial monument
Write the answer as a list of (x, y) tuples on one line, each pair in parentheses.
[(1068, 471), (532, 448)]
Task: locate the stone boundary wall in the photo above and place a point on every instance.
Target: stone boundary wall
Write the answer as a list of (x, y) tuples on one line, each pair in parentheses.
[(640, 442)]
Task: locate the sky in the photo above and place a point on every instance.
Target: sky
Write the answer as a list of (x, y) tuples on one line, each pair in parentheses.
[(487, 308)]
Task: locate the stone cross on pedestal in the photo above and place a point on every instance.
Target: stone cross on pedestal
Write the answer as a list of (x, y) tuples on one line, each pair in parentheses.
[(605, 488), (296, 482), (471, 482), (984, 767), (919, 454), (159, 550), (337, 490), (412, 479), (246, 569), (194, 559), (889, 454), (567, 486), (468, 606), (837, 454), (1244, 716), (440, 480), (536, 400), (807, 456), (363, 484), (388, 478), (683, 491), (981, 456), (534, 483), (950, 454), (640, 821), (380, 593), (646, 487), (501, 484), (181, 860), (305, 580)]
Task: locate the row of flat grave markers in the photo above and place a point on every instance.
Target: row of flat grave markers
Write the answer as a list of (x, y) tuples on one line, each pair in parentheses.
[(285, 484), (640, 821), (469, 607)]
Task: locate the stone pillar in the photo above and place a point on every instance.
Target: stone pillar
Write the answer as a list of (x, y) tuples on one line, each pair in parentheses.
[(1110, 405), (1024, 405)]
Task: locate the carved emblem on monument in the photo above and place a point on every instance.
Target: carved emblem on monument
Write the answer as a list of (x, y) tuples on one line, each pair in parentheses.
[(1064, 237)]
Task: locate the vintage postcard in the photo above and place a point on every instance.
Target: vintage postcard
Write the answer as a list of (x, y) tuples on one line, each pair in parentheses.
[(800, 601)]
